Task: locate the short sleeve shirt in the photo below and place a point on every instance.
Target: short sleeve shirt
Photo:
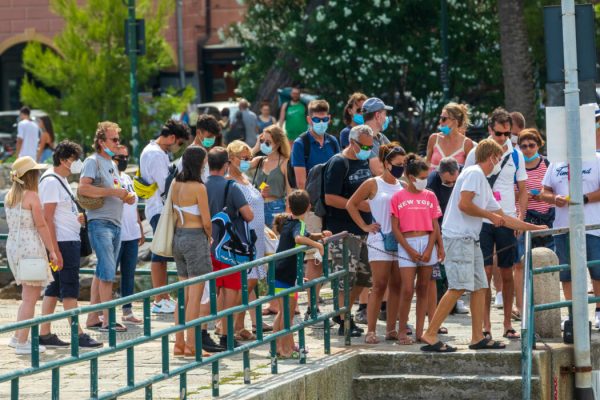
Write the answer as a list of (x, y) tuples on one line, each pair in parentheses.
[(318, 154), (29, 132), (103, 172), (130, 229), (345, 137), (415, 211), (456, 223), (65, 215), (154, 168), (286, 269), (378, 140), (344, 182), (434, 183)]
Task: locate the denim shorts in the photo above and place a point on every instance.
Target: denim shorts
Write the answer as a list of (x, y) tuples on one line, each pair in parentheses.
[(66, 281), (105, 238), (272, 208), (156, 257), (592, 245)]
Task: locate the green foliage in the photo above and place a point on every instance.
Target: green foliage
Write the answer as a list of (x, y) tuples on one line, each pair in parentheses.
[(91, 73), (387, 48)]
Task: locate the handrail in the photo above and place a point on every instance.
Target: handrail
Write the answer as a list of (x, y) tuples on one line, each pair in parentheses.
[(163, 334)]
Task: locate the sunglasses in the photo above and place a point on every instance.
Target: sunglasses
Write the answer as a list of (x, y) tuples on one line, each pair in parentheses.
[(396, 150), (363, 146), (245, 158), (316, 120), (268, 143), (507, 134), (114, 140), (444, 119), (528, 146)]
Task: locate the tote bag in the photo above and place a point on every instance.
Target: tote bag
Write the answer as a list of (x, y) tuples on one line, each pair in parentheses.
[(162, 242)]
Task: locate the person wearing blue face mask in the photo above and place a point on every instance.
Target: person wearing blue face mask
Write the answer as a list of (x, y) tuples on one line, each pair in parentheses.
[(344, 174), (374, 113), (450, 140), (352, 116)]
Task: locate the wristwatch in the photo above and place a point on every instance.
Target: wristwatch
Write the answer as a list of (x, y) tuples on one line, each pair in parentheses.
[(586, 199)]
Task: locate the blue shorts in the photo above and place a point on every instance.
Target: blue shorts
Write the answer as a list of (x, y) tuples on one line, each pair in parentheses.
[(66, 281), (273, 208), (156, 257), (592, 244), (105, 238)]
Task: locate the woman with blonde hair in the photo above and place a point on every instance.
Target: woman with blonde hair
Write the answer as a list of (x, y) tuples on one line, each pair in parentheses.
[(450, 141), (270, 171), (28, 238)]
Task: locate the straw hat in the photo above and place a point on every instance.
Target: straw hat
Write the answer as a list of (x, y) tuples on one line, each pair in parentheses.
[(22, 165)]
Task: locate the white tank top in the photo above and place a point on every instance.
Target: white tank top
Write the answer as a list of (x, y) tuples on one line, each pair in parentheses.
[(380, 204)]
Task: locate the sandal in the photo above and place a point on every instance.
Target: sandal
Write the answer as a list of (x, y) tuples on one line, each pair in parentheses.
[(371, 338), (391, 335), (484, 344), (268, 311), (118, 328), (516, 315), (487, 334), (439, 347), (95, 326), (244, 335), (297, 348), (266, 328), (130, 318), (293, 356), (443, 331), (511, 334), (405, 341)]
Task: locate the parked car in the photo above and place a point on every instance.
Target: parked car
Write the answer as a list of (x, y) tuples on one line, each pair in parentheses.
[(214, 108)]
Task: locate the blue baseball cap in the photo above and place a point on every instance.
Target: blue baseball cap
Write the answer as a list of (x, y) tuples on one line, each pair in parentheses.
[(375, 104)]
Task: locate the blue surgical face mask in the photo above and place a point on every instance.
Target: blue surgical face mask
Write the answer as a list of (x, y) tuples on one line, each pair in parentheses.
[(320, 127), (208, 142), (358, 119), (386, 123), (533, 157), (445, 129), (597, 125), (108, 151), (265, 149), (244, 165)]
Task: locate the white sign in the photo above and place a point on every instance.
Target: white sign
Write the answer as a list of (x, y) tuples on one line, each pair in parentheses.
[(556, 133)]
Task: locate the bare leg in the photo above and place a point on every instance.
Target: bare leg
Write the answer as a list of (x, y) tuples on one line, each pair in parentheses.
[(30, 295), (446, 304), (431, 299), (596, 286), (477, 310), (179, 336), (93, 318), (239, 317), (158, 273), (230, 299), (518, 279), (487, 324), (313, 271), (508, 292), (406, 295), (423, 281), (192, 312), (393, 299), (105, 290), (381, 271), (48, 307)]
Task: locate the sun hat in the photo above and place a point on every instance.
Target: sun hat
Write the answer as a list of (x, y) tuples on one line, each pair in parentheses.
[(22, 165)]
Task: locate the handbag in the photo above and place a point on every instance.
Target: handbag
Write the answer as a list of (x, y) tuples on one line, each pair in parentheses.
[(86, 246), (162, 242), (30, 268), (389, 241), (91, 203)]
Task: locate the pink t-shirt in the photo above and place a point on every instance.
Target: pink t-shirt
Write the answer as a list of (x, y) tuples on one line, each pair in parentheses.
[(415, 211)]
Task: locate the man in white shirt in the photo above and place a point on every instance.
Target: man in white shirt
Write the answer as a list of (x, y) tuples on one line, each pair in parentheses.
[(471, 201), (154, 168), (501, 240), (28, 135), (64, 223)]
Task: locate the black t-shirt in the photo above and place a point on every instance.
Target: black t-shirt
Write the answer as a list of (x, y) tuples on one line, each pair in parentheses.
[(344, 182), (434, 183), (286, 268)]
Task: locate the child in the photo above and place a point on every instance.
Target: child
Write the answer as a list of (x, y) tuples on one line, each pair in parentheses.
[(292, 232), (415, 212)]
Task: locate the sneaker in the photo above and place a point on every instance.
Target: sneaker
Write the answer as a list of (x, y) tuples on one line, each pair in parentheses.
[(156, 307), (52, 341), (85, 341), (354, 331), (498, 303), (25, 348), (13, 342), (597, 319), (361, 316), (308, 317), (383, 315), (562, 323), (353, 326), (461, 308), (223, 342), (209, 345), (167, 306)]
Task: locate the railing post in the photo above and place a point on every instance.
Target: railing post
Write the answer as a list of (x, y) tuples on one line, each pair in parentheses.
[(130, 366), (35, 346), (147, 319), (215, 378), (246, 367), (112, 320), (165, 354), (56, 384), (345, 259), (183, 386), (14, 389), (313, 306), (94, 378), (326, 322), (527, 317), (75, 336)]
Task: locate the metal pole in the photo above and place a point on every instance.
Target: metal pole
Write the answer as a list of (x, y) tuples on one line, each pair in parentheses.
[(577, 245), (444, 43), (135, 119), (179, 12)]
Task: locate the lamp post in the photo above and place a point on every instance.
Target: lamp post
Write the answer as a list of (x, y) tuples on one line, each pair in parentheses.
[(444, 43), (132, 54)]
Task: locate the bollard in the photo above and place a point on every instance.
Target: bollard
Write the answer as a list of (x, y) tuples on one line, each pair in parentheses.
[(546, 289)]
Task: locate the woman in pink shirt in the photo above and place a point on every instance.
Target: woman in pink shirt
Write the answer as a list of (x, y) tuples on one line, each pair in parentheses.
[(415, 212)]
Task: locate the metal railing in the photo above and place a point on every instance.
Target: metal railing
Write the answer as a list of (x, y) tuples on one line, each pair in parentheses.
[(163, 335), (529, 309)]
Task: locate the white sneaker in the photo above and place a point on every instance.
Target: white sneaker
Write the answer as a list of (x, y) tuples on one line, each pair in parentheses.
[(25, 348), (498, 303), (597, 320), (13, 342), (156, 307), (167, 306), (562, 323), (461, 308)]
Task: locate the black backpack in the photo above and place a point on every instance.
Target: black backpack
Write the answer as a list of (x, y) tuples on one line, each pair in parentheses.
[(237, 131), (173, 171), (315, 185), (291, 174)]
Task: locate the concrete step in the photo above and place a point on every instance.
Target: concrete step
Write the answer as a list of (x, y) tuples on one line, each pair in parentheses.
[(467, 362), (446, 387)]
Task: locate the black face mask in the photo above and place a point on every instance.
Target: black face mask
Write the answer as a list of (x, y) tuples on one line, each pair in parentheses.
[(397, 171), (121, 164)]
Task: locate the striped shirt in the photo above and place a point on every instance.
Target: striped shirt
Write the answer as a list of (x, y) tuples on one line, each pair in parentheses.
[(534, 182)]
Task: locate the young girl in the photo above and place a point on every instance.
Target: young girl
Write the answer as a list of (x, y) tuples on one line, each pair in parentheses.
[(415, 213), (292, 232)]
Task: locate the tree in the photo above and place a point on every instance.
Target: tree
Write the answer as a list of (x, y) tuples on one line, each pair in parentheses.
[(91, 69)]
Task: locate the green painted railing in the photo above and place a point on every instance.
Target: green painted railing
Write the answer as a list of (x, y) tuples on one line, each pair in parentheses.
[(527, 319), (167, 372)]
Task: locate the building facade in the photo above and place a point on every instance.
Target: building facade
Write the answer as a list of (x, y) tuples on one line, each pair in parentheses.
[(206, 58)]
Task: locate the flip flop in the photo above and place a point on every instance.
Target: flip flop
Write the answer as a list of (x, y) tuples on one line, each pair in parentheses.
[(511, 334), (487, 334), (97, 325), (439, 347), (294, 356), (484, 344), (443, 331), (118, 328), (268, 311)]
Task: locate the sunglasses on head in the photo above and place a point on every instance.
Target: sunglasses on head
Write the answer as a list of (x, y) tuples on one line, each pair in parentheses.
[(396, 150), (316, 120), (528, 146), (363, 146), (507, 134)]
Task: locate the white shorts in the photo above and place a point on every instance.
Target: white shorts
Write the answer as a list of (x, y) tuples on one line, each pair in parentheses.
[(206, 294), (419, 244), (376, 249), (259, 273), (314, 224)]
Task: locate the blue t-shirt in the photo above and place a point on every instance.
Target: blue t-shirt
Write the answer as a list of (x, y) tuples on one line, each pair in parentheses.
[(345, 137), (317, 155)]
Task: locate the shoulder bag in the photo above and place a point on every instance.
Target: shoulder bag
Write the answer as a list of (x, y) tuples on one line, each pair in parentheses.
[(30, 268), (162, 241), (92, 203)]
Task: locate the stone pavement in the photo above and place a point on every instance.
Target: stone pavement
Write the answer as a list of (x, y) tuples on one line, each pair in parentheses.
[(75, 378)]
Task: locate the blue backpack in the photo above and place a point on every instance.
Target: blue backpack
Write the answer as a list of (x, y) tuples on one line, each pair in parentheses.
[(235, 243)]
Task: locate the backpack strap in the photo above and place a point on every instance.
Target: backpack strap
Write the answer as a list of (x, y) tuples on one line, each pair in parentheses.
[(73, 199), (492, 179), (515, 157), (260, 163)]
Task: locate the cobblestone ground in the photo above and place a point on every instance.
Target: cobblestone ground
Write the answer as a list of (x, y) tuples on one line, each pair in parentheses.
[(75, 378)]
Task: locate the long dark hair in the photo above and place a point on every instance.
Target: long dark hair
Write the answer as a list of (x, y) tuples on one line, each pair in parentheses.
[(48, 126), (191, 164)]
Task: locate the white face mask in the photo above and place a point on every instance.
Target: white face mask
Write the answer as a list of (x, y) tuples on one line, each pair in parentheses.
[(514, 140), (421, 184), (496, 169), (76, 166)]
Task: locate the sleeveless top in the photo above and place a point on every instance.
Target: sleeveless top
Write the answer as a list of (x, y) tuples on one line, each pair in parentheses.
[(256, 203), (275, 179), (380, 204), (437, 154), (262, 124)]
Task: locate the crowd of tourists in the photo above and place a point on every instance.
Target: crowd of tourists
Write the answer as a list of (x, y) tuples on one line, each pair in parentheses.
[(435, 226)]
